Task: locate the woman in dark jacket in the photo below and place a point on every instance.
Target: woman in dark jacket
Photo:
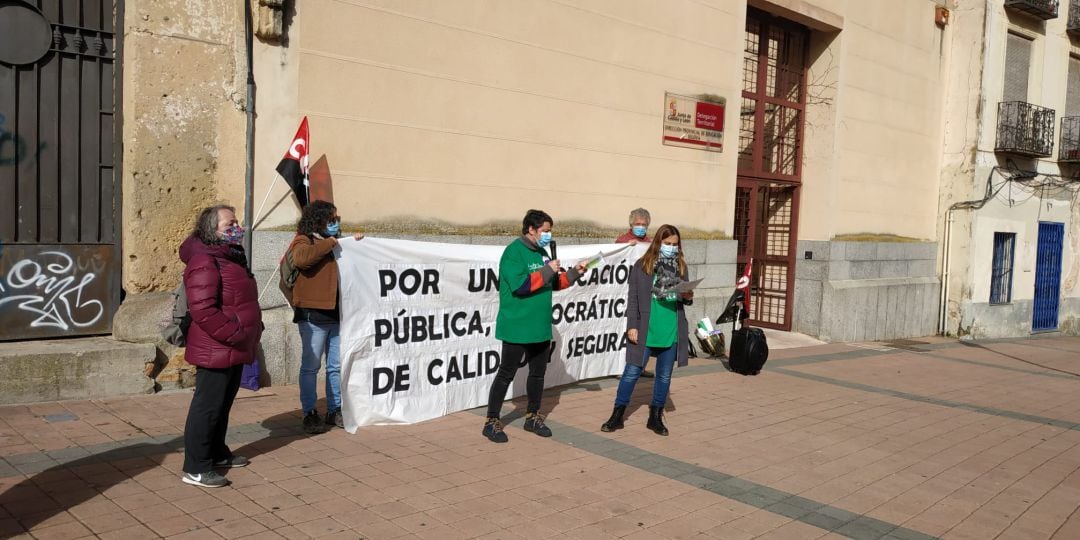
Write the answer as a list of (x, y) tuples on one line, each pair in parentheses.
[(655, 325), (226, 324), (316, 311)]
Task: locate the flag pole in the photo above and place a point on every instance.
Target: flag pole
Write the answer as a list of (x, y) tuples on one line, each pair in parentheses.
[(266, 285), (269, 190), (249, 105)]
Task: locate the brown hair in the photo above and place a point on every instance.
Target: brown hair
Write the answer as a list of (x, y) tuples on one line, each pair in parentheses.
[(535, 219), (648, 260)]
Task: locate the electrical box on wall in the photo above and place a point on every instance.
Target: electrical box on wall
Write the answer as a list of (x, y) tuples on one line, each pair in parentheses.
[(941, 16)]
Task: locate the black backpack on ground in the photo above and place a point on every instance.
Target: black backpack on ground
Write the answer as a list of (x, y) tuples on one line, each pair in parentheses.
[(749, 350)]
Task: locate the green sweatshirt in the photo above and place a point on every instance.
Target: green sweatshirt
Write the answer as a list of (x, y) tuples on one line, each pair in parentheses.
[(525, 285)]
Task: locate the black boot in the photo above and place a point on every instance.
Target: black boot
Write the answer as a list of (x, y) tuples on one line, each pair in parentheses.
[(615, 422), (656, 420)]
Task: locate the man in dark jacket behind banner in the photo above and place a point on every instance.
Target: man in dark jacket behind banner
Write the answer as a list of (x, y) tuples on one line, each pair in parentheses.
[(226, 324)]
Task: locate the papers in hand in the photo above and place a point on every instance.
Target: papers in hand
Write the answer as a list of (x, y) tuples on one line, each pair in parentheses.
[(679, 288), (687, 286), (594, 261)]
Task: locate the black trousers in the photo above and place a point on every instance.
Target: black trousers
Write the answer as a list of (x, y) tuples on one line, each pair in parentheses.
[(208, 418), (513, 355)]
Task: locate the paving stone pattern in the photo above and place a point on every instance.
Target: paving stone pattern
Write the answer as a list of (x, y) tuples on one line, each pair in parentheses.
[(923, 439)]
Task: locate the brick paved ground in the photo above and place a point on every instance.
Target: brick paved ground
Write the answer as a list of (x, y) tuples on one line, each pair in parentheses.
[(910, 440)]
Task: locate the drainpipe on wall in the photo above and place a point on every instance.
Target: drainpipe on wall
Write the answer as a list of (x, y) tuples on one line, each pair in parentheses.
[(943, 303), (988, 31), (947, 241), (249, 105)]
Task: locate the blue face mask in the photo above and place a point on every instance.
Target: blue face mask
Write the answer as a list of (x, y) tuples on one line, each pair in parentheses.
[(668, 252), (333, 229), (545, 239), (639, 230)]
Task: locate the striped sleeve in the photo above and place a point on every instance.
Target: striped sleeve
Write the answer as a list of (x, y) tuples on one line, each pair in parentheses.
[(534, 281), (565, 279)]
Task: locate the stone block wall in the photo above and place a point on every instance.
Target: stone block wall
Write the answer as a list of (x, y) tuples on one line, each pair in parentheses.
[(183, 128), (863, 291), (84, 368)]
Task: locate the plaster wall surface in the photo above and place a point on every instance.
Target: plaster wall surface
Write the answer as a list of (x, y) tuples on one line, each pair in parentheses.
[(472, 113), (979, 41), (874, 113)]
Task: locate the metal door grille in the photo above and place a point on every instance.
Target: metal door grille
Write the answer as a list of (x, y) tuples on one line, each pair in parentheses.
[(59, 215), (770, 161), (765, 222), (1048, 276), (742, 221), (773, 97)]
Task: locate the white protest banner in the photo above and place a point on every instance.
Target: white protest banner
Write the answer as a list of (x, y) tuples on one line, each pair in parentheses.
[(418, 326)]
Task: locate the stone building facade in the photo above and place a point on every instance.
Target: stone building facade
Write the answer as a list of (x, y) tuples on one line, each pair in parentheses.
[(850, 131)]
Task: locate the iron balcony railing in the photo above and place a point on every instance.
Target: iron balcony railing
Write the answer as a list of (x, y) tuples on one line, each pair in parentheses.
[(1072, 26), (1043, 9), (1025, 129), (1069, 150)]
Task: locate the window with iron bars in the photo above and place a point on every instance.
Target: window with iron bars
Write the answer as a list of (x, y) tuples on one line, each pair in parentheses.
[(1002, 268)]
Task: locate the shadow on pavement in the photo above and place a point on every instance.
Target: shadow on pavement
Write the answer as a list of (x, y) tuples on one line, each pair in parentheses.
[(980, 346), (50, 492)]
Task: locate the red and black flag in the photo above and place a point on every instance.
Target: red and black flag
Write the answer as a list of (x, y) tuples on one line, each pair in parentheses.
[(294, 166), (741, 294), (743, 285)]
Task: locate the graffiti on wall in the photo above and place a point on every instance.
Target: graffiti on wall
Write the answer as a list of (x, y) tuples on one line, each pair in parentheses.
[(13, 148), (54, 290)]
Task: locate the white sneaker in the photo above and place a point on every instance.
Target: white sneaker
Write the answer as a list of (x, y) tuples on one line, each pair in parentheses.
[(207, 479)]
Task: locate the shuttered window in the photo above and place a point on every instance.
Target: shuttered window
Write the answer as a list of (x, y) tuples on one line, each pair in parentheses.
[(1072, 93), (1017, 64)]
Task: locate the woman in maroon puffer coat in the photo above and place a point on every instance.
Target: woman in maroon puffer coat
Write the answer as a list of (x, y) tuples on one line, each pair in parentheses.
[(226, 324)]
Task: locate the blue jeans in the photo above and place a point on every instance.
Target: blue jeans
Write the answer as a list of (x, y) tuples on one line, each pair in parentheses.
[(316, 339), (665, 362)]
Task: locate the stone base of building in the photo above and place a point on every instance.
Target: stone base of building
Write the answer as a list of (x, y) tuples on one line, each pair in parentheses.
[(989, 321), (866, 291), (84, 368)]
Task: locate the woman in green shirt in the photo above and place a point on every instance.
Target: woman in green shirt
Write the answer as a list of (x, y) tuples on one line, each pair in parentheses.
[(655, 325)]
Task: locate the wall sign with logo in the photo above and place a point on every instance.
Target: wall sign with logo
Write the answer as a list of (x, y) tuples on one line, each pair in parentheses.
[(691, 123)]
